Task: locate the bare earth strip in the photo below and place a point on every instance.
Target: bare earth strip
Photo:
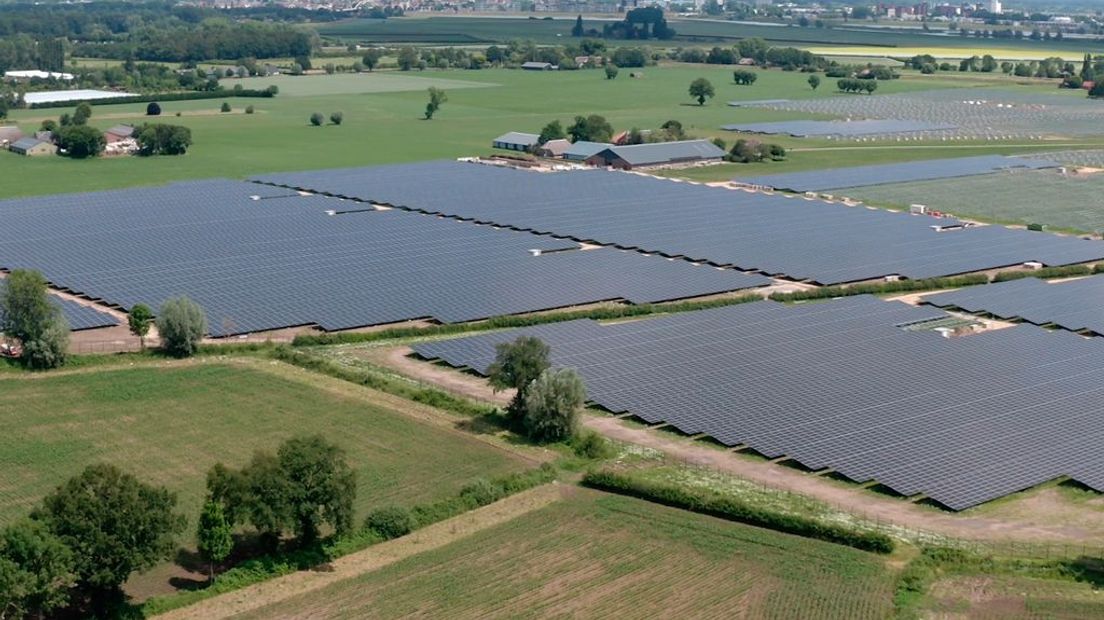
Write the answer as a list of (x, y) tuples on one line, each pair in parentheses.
[(373, 558), (1048, 521)]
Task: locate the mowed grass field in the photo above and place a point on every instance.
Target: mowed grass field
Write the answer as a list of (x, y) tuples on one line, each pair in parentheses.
[(383, 122), (169, 425), (604, 556)]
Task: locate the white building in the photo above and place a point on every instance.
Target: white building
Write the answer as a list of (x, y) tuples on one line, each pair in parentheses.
[(42, 75), (994, 7)]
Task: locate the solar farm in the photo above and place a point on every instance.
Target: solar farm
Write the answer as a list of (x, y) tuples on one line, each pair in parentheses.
[(842, 386), (965, 113), (838, 129), (1073, 305)]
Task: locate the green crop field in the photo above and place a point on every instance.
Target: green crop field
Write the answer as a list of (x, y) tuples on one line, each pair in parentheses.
[(386, 127), (168, 426), (1072, 202), (598, 555)]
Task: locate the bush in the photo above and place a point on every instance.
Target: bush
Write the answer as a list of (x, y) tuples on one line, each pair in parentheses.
[(900, 286), (181, 324), (248, 109), (481, 492), (153, 109), (736, 510), (336, 118), (1035, 227), (1046, 272), (390, 522), (591, 445), (225, 107), (316, 119)]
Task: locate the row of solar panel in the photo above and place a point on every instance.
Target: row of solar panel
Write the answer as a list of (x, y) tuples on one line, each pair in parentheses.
[(1074, 305), (840, 385), (863, 127), (802, 239), (80, 316), (259, 258)]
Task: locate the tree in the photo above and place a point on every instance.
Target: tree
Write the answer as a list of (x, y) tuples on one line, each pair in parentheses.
[(372, 58), (36, 570), (337, 117), (552, 403), (744, 77), (552, 131), (701, 90), (114, 525), (225, 107), (436, 98), (814, 82), (673, 129), (162, 139), (516, 365), (214, 536), (48, 125), (1097, 91), (81, 141), (1087, 73), (317, 119), (139, 320), (593, 128), (153, 109), (577, 30), (82, 113), (988, 64), (27, 315), (611, 71), (407, 58), (182, 324)]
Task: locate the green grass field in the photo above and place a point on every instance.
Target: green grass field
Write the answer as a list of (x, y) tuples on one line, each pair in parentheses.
[(1012, 598), (168, 426), (598, 555), (386, 127)]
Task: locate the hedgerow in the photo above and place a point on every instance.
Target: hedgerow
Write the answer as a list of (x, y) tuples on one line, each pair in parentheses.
[(881, 288), (736, 510), (1047, 272)]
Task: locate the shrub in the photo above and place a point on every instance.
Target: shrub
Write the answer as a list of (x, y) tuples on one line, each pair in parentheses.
[(1035, 227), (481, 492), (248, 109), (153, 109), (181, 324), (225, 107), (390, 522), (316, 119), (591, 445), (336, 118)]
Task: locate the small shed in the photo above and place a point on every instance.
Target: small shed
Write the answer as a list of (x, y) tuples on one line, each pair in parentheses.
[(516, 141), (32, 147), (538, 66), (554, 148)]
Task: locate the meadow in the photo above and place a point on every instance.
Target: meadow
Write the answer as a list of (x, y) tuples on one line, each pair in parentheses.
[(599, 555), (169, 425), (383, 121)]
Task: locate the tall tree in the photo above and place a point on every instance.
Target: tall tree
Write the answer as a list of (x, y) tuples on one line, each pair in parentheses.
[(82, 113), (139, 319), (27, 315), (214, 538), (516, 365), (371, 58), (80, 141), (814, 82), (552, 403), (115, 525), (577, 29), (181, 324), (593, 128), (36, 571), (407, 58), (552, 131), (701, 89), (436, 98)]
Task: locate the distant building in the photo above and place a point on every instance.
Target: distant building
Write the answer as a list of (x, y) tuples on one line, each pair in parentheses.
[(32, 147), (656, 154), (118, 133), (581, 150), (516, 141), (9, 134), (21, 76), (538, 66), (994, 7), (554, 148)]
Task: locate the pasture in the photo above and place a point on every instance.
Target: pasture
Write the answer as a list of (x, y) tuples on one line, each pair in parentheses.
[(169, 425), (387, 127), (599, 555)]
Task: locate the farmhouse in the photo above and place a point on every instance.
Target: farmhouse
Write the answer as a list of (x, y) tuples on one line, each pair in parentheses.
[(554, 148), (660, 153), (118, 133), (582, 149), (516, 141), (32, 147), (9, 134), (538, 66)]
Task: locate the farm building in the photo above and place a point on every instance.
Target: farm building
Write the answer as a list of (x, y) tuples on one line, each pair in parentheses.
[(629, 157), (32, 147), (516, 141), (581, 150), (19, 76), (555, 148), (9, 134), (118, 133), (538, 66)]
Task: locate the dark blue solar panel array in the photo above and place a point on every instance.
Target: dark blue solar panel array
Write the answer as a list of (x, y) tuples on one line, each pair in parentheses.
[(802, 129), (1074, 305), (838, 384), (83, 317), (815, 240), (281, 261), (882, 174)]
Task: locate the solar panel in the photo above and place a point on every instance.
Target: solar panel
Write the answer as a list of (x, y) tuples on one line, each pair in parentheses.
[(82, 317), (804, 239), (258, 258), (1073, 304), (863, 176), (866, 127), (839, 384)]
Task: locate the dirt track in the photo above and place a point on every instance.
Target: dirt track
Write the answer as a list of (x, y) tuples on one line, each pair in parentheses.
[(373, 558), (1048, 520)]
